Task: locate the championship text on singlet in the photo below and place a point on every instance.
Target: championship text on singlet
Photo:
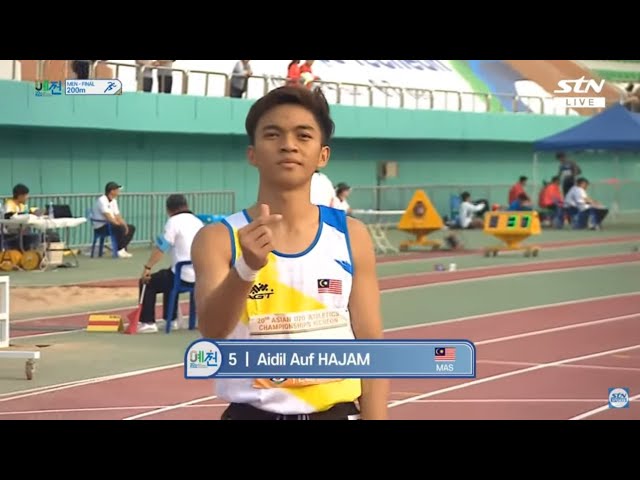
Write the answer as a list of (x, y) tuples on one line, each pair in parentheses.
[(316, 324)]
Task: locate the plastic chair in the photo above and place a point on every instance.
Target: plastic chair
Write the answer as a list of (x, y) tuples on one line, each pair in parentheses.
[(100, 237), (454, 208), (176, 290)]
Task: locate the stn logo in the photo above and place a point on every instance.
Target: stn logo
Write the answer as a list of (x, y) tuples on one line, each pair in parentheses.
[(618, 398)]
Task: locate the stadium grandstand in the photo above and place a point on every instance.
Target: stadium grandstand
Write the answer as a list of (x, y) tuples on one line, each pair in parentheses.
[(455, 85), (620, 72)]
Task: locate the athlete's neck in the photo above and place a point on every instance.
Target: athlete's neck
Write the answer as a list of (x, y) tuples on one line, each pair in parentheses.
[(294, 205)]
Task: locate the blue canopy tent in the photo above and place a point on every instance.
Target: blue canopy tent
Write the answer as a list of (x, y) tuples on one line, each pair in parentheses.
[(614, 129)]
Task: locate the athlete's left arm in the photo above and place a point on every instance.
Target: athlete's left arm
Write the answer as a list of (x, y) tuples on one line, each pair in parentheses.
[(366, 317)]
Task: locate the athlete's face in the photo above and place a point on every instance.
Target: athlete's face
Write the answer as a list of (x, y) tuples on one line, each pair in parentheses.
[(288, 146)]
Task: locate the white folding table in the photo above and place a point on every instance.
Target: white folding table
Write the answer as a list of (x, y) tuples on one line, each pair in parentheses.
[(6, 349), (42, 224)]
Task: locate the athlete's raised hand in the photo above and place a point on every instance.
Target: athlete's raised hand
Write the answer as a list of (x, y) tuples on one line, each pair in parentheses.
[(256, 239)]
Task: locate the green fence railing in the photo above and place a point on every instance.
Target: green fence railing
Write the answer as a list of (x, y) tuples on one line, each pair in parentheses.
[(147, 210), (144, 210)]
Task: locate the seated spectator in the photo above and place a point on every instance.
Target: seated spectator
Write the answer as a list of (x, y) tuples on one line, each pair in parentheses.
[(179, 232), (467, 214), (586, 211), (521, 204), (106, 211), (517, 189), (340, 201), (550, 200), (16, 205)]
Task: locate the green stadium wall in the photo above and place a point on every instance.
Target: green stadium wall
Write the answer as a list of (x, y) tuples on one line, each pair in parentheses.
[(169, 143)]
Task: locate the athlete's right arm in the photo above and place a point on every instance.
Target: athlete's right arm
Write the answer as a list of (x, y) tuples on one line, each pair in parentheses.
[(220, 293)]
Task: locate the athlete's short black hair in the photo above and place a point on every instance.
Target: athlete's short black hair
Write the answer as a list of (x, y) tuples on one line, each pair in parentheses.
[(314, 101)]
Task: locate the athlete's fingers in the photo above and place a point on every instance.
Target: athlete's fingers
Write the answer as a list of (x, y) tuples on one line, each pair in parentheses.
[(258, 233), (263, 210), (266, 249), (265, 239), (257, 222)]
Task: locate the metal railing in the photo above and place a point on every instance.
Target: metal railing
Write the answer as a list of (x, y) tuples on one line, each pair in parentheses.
[(342, 93), (144, 210)]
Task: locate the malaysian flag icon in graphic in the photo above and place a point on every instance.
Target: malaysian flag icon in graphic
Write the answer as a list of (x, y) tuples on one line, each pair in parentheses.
[(445, 354), (326, 285)]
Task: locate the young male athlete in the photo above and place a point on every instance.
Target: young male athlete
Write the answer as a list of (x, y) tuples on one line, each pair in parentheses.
[(287, 269)]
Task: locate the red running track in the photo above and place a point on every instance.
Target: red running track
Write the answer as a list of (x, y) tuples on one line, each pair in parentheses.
[(413, 256), (553, 362), (44, 325)]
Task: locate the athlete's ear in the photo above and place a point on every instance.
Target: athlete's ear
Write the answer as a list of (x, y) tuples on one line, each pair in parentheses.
[(325, 153), (251, 155)]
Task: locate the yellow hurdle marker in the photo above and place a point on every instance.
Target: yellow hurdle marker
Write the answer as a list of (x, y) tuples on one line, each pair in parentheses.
[(420, 219), (105, 323), (512, 227)]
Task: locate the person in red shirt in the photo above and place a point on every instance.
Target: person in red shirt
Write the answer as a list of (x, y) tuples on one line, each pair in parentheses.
[(307, 75), (517, 190), (551, 199), (293, 74)]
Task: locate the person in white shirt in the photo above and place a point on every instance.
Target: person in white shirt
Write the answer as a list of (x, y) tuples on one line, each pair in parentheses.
[(467, 211), (240, 79), (106, 211), (586, 210), (340, 201), (322, 191), (179, 232)]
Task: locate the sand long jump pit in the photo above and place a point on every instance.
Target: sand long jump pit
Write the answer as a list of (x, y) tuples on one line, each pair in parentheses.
[(28, 302)]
